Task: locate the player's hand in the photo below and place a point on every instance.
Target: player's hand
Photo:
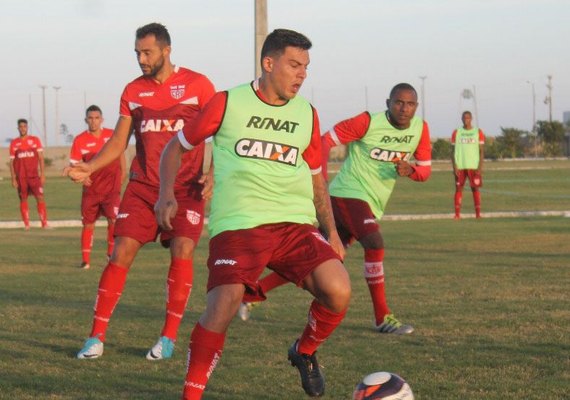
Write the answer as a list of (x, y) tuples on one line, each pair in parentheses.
[(165, 210), (337, 245), (14, 183), (43, 179), (78, 173), (403, 168), (208, 181)]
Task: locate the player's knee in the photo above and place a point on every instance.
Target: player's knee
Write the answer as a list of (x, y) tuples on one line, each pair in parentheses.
[(182, 248)]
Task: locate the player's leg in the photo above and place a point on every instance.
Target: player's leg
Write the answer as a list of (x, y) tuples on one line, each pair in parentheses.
[(178, 289), (110, 209), (86, 244), (476, 181), (458, 198), (24, 207), (135, 227), (330, 285), (36, 188), (255, 297)]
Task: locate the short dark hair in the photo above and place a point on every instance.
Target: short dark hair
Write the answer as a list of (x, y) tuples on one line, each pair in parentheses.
[(276, 42), (93, 107), (158, 30), (22, 121), (466, 112), (402, 86)]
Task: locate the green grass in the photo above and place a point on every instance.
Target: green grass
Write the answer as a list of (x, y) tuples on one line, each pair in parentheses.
[(488, 298)]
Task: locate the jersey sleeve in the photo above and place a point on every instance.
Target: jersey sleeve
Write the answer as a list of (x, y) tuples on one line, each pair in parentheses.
[(38, 142), (312, 154), (208, 91), (13, 149), (124, 108), (422, 155), (481, 137), (206, 123), (75, 155), (453, 135), (348, 130)]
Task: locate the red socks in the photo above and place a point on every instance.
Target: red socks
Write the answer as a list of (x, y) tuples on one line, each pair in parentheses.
[(86, 243), (321, 324), (457, 202), (477, 202), (25, 212), (374, 275), (42, 212), (110, 238), (204, 352), (178, 289), (110, 288)]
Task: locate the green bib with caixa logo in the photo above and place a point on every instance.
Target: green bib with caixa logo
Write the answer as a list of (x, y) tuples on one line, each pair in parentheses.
[(369, 172), (260, 176), (466, 148)]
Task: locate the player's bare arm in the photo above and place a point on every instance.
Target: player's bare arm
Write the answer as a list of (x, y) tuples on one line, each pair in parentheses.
[(13, 174), (325, 217), (112, 150), (166, 205), (124, 170), (42, 167)]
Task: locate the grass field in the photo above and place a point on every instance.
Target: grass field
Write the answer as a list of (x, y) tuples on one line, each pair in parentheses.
[(489, 300)]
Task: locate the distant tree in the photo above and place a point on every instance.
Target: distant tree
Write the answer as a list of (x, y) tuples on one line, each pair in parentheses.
[(552, 136), (441, 150), (492, 149), (510, 143)]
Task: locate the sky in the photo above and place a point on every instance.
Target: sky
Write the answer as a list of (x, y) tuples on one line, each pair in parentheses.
[(498, 49)]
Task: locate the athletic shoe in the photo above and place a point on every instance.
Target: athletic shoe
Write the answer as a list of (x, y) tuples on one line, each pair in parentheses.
[(85, 265), (244, 311), (163, 349), (93, 348), (47, 226), (392, 325), (312, 380)]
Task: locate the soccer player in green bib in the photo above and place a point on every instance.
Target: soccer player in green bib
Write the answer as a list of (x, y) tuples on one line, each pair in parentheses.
[(269, 192), (467, 159), (380, 148)]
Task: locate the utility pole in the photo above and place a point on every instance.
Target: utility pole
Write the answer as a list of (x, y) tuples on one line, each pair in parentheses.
[(533, 107), (44, 87), (260, 33), (423, 78), (56, 88), (548, 99), (366, 98), (475, 107)]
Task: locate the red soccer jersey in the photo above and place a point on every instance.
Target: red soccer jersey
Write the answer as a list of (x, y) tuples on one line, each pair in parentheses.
[(24, 152), (85, 146), (158, 111), (208, 122)]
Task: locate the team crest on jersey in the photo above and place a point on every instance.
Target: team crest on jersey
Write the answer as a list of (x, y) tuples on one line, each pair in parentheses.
[(193, 217), (253, 148), (389, 155), (177, 91)]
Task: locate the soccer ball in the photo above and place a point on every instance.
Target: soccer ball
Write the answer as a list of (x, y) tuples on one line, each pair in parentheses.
[(383, 386)]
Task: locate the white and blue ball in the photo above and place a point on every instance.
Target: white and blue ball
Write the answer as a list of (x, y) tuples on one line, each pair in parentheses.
[(383, 386)]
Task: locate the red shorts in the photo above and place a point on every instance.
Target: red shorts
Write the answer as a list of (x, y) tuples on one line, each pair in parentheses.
[(475, 178), (136, 214), (30, 185), (292, 250), (94, 206), (353, 218)]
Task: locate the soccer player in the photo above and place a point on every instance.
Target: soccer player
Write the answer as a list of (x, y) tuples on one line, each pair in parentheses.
[(26, 155), (468, 144), (103, 195), (380, 147), (268, 193), (154, 106)]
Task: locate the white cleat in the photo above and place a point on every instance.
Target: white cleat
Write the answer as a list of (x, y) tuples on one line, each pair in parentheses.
[(93, 348)]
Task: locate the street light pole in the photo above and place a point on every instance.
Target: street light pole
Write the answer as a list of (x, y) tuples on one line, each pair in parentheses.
[(56, 88), (43, 87), (260, 33), (548, 100), (423, 78)]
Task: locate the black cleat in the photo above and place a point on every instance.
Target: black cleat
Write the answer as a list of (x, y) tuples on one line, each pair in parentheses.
[(312, 379)]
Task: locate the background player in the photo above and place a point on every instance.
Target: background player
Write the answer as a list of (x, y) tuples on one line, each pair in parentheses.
[(468, 144), (380, 147), (26, 156), (267, 186), (154, 106), (102, 195)]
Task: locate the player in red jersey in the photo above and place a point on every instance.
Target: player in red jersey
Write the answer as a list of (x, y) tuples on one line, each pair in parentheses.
[(103, 195), (154, 106), (26, 155), (380, 147), (268, 193)]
